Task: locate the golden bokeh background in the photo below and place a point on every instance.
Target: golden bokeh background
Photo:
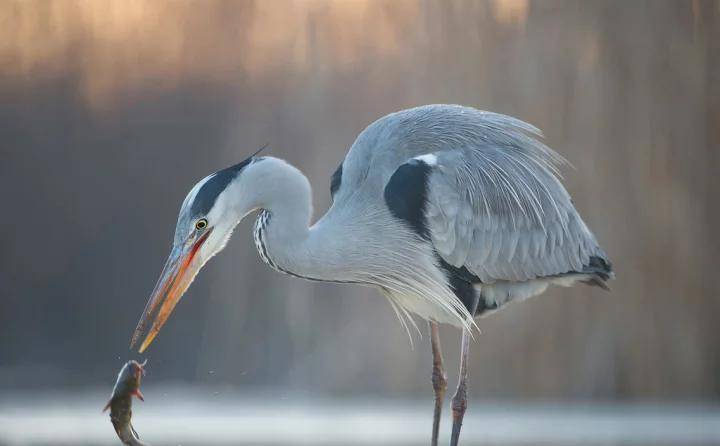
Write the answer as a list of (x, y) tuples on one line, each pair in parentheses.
[(111, 110)]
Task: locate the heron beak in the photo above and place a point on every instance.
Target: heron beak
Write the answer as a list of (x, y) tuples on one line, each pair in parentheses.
[(180, 269)]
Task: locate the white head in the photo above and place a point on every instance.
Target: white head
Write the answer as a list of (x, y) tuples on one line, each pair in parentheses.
[(208, 216)]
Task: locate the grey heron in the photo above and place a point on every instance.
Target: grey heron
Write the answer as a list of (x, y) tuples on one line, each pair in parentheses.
[(449, 211)]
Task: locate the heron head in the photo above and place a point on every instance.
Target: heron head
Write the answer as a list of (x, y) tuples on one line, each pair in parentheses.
[(210, 212)]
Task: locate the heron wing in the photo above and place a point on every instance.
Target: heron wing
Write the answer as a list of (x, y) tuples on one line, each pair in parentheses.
[(487, 194), (481, 186), (482, 189), (499, 212)]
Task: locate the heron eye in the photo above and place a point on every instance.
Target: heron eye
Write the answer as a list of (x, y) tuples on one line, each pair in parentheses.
[(201, 224)]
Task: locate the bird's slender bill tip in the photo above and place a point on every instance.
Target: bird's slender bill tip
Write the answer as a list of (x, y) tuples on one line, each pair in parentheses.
[(181, 268), (146, 343)]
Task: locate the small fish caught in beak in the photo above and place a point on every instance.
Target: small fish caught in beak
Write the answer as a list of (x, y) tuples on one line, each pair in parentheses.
[(126, 387), (180, 269)]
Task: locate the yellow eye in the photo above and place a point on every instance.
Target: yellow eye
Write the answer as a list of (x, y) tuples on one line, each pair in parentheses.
[(201, 224)]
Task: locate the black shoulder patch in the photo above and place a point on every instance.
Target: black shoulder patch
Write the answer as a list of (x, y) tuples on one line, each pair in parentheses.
[(208, 193), (406, 195), (336, 180)]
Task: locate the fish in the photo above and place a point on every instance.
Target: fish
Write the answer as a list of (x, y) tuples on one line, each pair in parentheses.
[(120, 404)]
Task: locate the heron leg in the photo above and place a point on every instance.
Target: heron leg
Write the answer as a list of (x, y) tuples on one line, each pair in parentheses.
[(459, 401), (439, 379)]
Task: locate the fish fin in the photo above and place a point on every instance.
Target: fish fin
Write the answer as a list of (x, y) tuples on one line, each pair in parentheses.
[(139, 394), (107, 406)]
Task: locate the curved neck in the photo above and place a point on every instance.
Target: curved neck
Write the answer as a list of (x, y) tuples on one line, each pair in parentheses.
[(282, 235)]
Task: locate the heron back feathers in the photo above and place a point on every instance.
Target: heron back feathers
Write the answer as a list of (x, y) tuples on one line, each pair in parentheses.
[(492, 205)]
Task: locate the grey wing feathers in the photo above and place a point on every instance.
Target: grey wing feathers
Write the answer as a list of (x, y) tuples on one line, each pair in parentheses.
[(497, 207), (493, 201)]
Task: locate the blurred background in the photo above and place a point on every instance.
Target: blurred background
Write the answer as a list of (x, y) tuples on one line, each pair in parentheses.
[(111, 110)]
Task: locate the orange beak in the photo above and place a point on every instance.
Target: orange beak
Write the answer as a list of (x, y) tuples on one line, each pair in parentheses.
[(180, 269)]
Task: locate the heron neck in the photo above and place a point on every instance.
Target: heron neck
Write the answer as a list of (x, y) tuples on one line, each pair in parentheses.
[(283, 235), (287, 244)]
